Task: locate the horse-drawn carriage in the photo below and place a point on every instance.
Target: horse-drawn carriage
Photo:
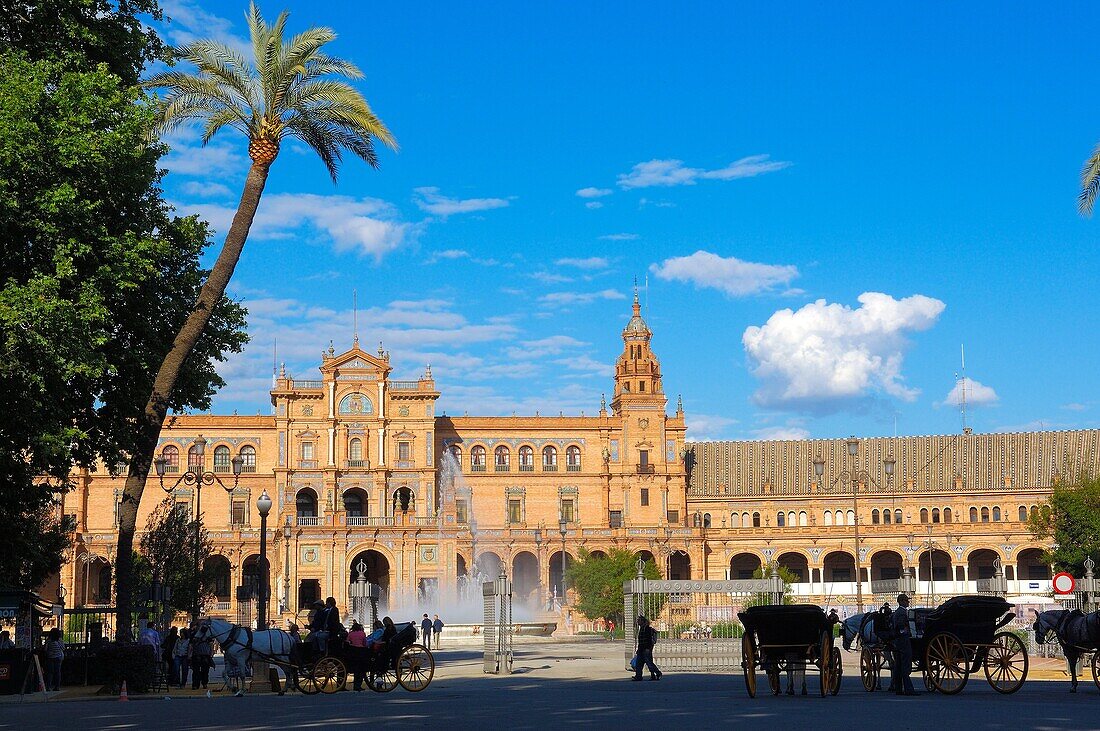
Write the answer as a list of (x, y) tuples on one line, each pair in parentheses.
[(960, 637), (398, 660), (1078, 634), (868, 631), (789, 638)]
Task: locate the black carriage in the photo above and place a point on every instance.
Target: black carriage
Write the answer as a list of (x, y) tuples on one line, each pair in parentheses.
[(386, 664), (874, 656), (789, 638), (960, 637)]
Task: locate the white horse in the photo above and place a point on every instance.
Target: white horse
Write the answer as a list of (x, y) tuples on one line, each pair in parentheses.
[(239, 643)]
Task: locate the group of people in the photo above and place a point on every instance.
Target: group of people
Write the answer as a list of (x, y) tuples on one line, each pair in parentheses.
[(183, 651)]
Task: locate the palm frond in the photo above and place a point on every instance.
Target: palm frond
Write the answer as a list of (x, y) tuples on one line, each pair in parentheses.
[(1090, 184), (225, 64), (222, 118), (319, 140)]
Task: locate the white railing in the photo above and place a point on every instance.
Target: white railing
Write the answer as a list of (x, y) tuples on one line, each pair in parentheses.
[(309, 520), (381, 521), (307, 384), (404, 385), (358, 520), (221, 606)]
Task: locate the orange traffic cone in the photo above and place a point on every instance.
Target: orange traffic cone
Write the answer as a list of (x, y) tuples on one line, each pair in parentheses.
[(122, 693)]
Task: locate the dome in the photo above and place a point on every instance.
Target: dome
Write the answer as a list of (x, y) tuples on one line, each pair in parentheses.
[(637, 324)]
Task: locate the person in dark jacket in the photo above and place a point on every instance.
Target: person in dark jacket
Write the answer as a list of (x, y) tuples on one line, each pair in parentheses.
[(426, 631), (647, 638), (437, 631), (903, 649)]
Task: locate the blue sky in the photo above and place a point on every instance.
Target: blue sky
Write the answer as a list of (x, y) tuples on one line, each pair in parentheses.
[(826, 203)]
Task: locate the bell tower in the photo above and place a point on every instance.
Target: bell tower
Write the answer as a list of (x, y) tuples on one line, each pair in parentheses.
[(638, 372)]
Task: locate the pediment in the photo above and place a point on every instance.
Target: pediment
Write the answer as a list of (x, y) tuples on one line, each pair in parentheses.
[(356, 359)]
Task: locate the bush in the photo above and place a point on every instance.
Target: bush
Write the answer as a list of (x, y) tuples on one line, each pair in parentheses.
[(133, 663)]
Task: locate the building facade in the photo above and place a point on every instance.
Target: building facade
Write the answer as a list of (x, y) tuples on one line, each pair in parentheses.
[(367, 479)]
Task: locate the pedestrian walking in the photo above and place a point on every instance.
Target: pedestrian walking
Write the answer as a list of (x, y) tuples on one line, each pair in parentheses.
[(647, 638), (202, 657), (180, 660), (55, 655), (437, 631), (903, 649), (610, 630), (426, 631)]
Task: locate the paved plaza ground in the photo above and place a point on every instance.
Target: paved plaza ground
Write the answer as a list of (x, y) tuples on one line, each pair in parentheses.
[(578, 683)]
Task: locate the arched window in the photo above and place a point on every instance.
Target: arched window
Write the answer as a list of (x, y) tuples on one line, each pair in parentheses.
[(550, 459), (194, 459), (171, 455), (839, 517), (828, 517), (924, 515), (502, 459), (526, 458), (221, 458), (780, 519), (803, 518), (355, 503), (477, 458), (874, 517), (887, 517), (1023, 514), (996, 514), (735, 520), (985, 515), (851, 516), (305, 503), (355, 451), (791, 519), (935, 515), (947, 516), (973, 515), (756, 520), (897, 516), (1034, 511), (706, 520), (248, 454), (573, 458)]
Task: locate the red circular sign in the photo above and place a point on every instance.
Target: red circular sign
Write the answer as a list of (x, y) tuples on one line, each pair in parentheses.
[(1064, 583)]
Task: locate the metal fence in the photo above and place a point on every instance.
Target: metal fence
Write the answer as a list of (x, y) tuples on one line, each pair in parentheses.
[(497, 626), (696, 621)]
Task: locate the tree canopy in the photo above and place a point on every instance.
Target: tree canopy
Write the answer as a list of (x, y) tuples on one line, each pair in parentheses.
[(99, 273), (169, 547), (598, 581), (1071, 519)]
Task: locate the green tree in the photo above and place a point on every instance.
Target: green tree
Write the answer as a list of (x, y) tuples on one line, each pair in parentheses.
[(98, 274), (598, 581), (1071, 520), (789, 577), (283, 93), (171, 546), (1090, 183)]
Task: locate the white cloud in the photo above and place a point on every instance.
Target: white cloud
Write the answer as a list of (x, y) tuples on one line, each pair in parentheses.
[(731, 275), (223, 158), (587, 365), (826, 357), (550, 277), (592, 262), (977, 394), (552, 345), (594, 192), (206, 190), (189, 23), (619, 237), (707, 427), (673, 172), (363, 225), (781, 433), (449, 254), (1074, 407), (554, 299), (429, 199), (593, 205)]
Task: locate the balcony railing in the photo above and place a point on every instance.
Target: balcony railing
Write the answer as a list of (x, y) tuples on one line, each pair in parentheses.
[(248, 468), (645, 469), (404, 385), (404, 464), (356, 463), (549, 468), (307, 464), (477, 468), (222, 468), (309, 520), (221, 606), (358, 520), (524, 468), (572, 468), (502, 468), (307, 384), (379, 521)]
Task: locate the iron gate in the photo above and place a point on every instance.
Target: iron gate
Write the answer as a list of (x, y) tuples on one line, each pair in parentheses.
[(497, 626), (696, 620)]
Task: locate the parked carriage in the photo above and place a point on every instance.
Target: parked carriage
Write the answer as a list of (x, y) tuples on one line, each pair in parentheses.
[(867, 631), (789, 638), (960, 637), (398, 661)]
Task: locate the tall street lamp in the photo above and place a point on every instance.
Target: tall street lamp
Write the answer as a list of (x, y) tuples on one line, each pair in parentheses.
[(855, 477), (286, 565), (263, 506), (198, 478), (563, 528)]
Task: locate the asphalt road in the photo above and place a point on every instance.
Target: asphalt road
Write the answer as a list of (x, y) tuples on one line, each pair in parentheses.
[(578, 684)]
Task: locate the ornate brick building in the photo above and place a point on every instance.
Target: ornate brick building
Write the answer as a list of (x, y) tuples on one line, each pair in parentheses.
[(365, 473)]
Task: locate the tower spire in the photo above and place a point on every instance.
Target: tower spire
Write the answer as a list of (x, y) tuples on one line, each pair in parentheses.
[(355, 317)]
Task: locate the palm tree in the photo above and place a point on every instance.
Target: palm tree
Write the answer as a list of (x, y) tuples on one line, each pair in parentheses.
[(282, 93), (1090, 183)]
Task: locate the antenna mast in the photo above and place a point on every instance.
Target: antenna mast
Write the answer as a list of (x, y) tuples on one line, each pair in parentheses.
[(962, 388), (355, 316)]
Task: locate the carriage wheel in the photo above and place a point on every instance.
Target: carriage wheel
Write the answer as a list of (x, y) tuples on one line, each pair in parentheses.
[(868, 669), (824, 661), (1096, 668), (415, 668), (1006, 663), (748, 663), (329, 674), (383, 682), (946, 661), (304, 681), (836, 671)]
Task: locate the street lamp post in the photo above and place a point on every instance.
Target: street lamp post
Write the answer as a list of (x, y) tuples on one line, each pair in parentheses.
[(563, 528), (198, 478), (263, 506), (855, 477), (286, 565)]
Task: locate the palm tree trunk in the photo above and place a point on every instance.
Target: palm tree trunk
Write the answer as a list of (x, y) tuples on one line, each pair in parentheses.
[(156, 408)]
